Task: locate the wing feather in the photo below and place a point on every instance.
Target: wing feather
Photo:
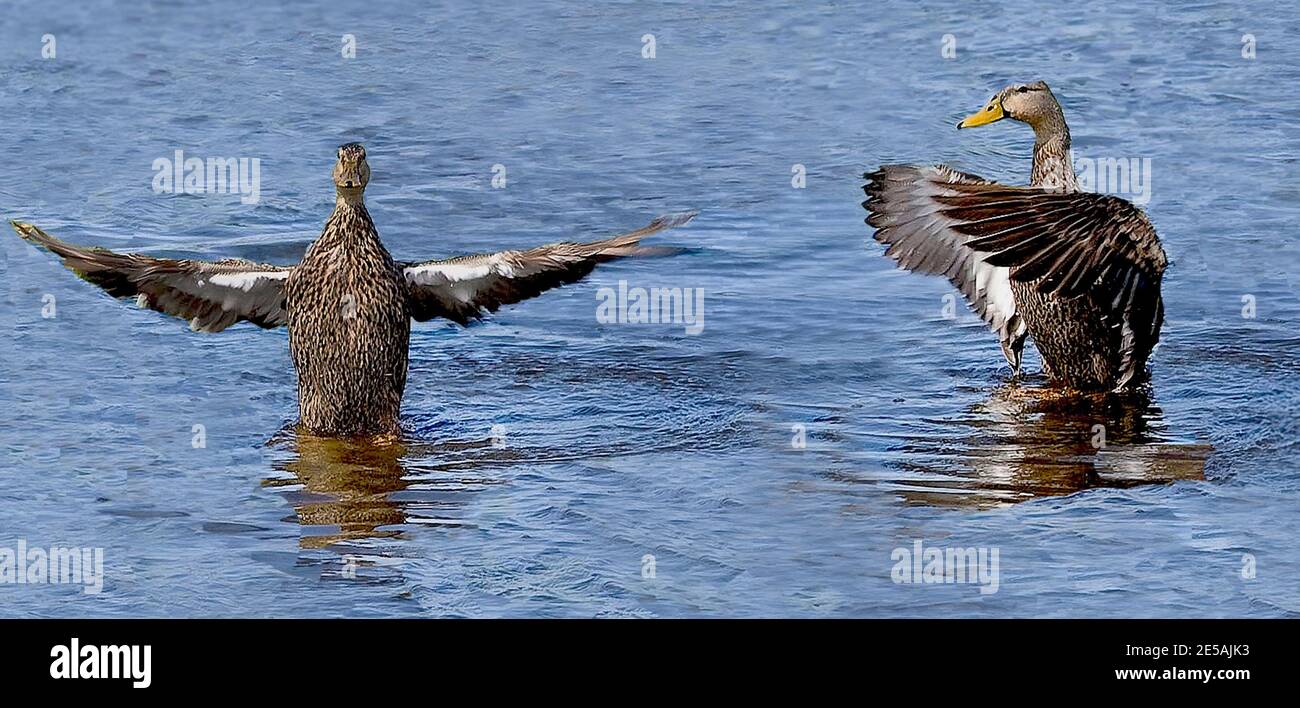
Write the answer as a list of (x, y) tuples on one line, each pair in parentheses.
[(211, 295), (462, 289), (907, 206), (1066, 243)]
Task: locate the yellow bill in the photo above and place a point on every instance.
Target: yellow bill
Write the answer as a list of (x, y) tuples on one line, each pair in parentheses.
[(991, 114)]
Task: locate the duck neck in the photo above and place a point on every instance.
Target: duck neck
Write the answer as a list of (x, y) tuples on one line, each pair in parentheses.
[(348, 226), (350, 218), (350, 199), (1053, 168)]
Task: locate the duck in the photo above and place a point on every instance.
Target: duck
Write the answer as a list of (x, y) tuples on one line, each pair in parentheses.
[(348, 305), (1078, 272)]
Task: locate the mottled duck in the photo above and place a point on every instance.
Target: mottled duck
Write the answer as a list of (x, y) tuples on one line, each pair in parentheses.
[(348, 305), (1077, 271)]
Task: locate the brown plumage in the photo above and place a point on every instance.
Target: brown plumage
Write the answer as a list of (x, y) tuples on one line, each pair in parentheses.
[(1080, 272), (348, 305)]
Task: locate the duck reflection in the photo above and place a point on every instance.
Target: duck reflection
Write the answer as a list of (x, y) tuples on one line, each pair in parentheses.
[(1025, 442), (345, 490)]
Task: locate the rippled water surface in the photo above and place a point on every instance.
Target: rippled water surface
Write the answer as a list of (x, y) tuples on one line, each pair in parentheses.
[(628, 441)]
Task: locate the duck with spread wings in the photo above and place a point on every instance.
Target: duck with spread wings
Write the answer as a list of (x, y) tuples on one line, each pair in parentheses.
[(348, 305), (1079, 272)]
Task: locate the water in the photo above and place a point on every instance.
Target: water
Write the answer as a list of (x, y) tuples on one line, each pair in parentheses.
[(623, 441)]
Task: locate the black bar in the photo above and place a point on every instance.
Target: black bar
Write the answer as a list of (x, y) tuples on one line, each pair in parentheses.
[(916, 653)]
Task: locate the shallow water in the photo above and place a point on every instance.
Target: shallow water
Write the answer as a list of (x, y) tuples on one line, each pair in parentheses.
[(620, 442)]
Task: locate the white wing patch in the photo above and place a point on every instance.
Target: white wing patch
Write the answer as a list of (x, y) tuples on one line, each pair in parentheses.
[(438, 273), (994, 284), (246, 280)]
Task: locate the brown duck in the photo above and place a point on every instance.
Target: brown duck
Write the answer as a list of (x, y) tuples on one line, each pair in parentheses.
[(348, 305), (1079, 272)]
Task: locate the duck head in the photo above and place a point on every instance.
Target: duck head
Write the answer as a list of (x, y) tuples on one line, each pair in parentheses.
[(1028, 103), (351, 173)]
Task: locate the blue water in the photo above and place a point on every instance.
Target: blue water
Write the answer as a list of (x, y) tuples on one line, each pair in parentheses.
[(623, 441)]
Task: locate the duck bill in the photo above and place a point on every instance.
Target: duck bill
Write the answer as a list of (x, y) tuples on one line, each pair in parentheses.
[(991, 114)]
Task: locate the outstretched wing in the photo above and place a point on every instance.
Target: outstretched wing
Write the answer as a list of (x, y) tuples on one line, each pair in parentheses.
[(1072, 244), (907, 211), (212, 296), (462, 289), (1066, 243)]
